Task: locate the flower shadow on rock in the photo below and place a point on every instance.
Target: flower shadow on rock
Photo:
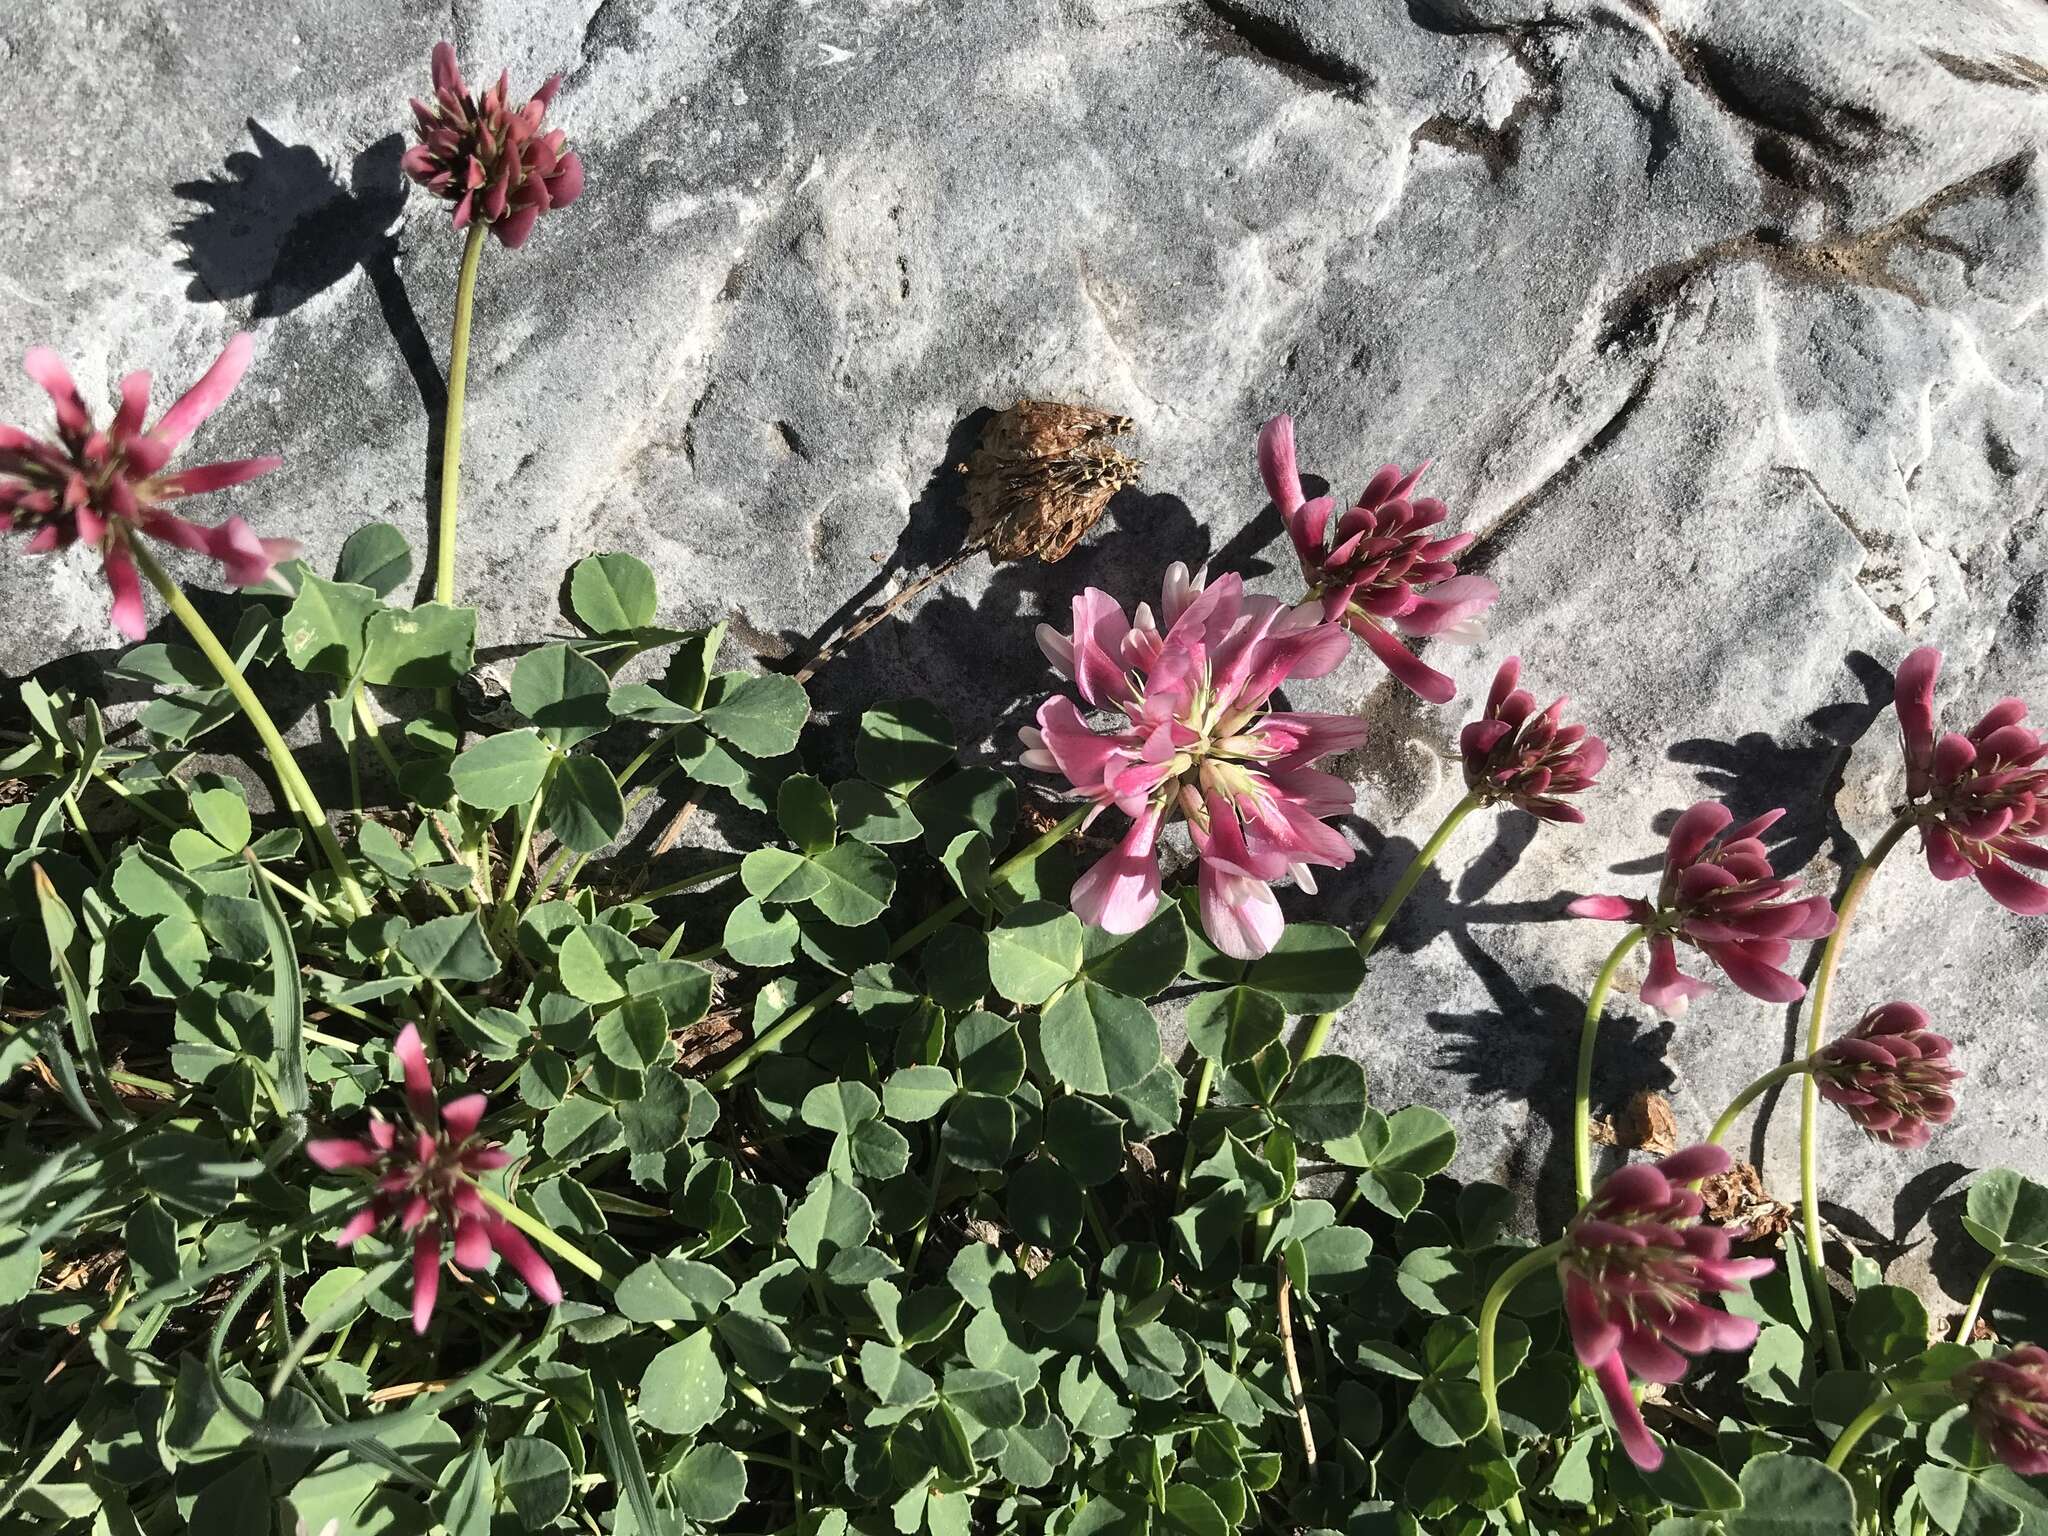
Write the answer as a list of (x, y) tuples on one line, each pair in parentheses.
[(277, 227), (1522, 1050), (1803, 771)]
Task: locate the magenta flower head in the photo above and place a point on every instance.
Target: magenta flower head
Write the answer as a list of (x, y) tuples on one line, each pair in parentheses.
[(426, 1177), (1382, 572), (1518, 755), (1892, 1074), (1719, 896), (1638, 1267), (102, 488), (1981, 798), (2008, 1401), (489, 159), (1190, 735)]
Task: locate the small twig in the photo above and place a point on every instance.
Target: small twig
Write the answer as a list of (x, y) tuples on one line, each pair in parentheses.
[(405, 1390), (1308, 1439), (674, 830), (874, 616)]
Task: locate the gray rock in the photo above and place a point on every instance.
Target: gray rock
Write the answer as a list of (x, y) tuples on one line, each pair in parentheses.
[(1722, 321)]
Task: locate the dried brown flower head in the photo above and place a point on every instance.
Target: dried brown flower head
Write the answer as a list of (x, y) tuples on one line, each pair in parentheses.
[(1041, 476), (1737, 1199)]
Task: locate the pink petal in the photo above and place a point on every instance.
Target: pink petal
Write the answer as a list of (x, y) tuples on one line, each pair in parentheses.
[(426, 1276), (1945, 860), (334, 1152), (1120, 891), (127, 613), (566, 185), (2013, 890), (1913, 698), (1308, 736), (1240, 915), (246, 560), (1306, 526), (1753, 976), (1594, 1337), (1634, 1434), (527, 1263), (1691, 833), (205, 397), (1666, 988), (1277, 465), (1505, 682), (1098, 641), (48, 370), (419, 1080), (1689, 1164), (357, 1227), (1409, 670), (1084, 756), (1651, 1358), (134, 406), (447, 77), (472, 1245), (460, 1116), (513, 229), (213, 477), (1448, 604), (1607, 909)]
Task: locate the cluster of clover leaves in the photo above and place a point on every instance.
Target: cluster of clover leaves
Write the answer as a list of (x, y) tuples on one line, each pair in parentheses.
[(876, 1199)]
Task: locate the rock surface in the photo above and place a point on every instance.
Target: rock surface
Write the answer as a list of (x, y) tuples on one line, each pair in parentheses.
[(1721, 319)]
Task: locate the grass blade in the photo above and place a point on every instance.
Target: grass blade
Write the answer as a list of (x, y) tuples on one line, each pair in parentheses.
[(622, 1454), (60, 928), (287, 996)]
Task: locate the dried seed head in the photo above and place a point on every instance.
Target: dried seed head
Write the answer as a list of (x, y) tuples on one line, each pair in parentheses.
[(1041, 476)]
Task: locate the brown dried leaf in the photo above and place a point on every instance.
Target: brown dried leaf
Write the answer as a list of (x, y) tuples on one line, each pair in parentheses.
[(707, 1039), (1649, 1124), (1041, 477), (1601, 1132)]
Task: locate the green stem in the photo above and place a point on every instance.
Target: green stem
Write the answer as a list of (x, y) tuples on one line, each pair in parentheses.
[(1582, 1096), (1205, 1081), (702, 877), (451, 436), (1489, 1321), (549, 1239), (562, 856), (1858, 1427), (517, 862), (1751, 1094), (1809, 1098), (290, 779), (1976, 1308), (135, 801), (77, 820), (1319, 1031), (373, 732), (772, 1037)]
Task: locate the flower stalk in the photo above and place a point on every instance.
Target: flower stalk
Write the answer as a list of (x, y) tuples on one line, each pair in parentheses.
[(1809, 1097), (451, 437), (1582, 1093), (1369, 938), (1975, 1309), (1751, 1094), (1890, 1400), (291, 780), (1489, 1324)]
